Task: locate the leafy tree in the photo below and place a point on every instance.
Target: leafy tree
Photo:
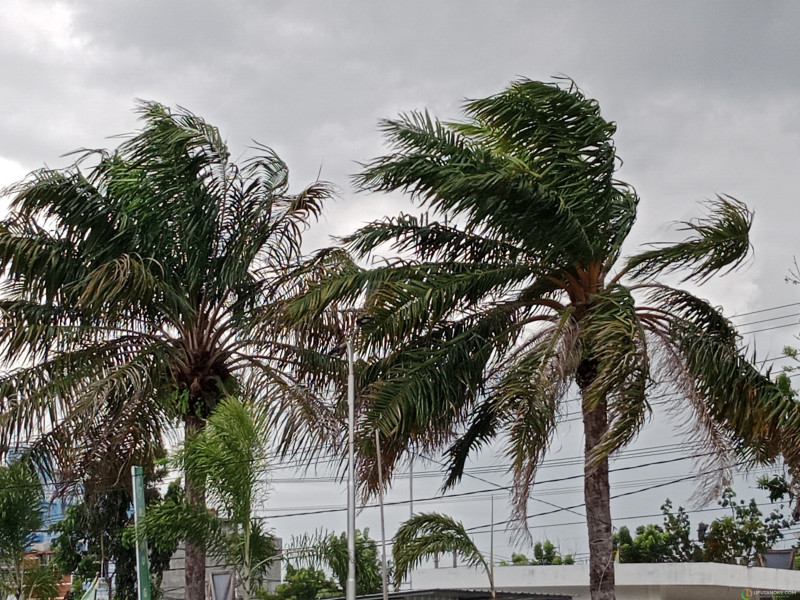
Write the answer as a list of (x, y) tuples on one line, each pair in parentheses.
[(737, 539), (650, 545), (306, 583), (95, 532), (519, 560), (368, 561), (142, 287), (740, 537), (543, 554), (430, 534), (21, 505), (511, 288), (547, 554), (227, 460)]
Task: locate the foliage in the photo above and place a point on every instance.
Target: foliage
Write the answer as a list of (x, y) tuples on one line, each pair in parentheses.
[(95, 532), (543, 554), (21, 505), (227, 460), (368, 561), (429, 534), (144, 289), (737, 538), (144, 284), (330, 551), (38, 580), (306, 583), (511, 288)]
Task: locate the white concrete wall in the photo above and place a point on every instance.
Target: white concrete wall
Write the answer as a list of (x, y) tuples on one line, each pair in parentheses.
[(658, 581)]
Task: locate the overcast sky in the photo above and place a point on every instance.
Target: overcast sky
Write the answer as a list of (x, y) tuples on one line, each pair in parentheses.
[(705, 95)]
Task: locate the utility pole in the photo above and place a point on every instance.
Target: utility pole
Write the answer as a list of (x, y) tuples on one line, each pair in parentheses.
[(142, 561)]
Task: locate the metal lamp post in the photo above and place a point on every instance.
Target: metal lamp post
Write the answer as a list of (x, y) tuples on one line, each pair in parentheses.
[(350, 591), (350, 587)]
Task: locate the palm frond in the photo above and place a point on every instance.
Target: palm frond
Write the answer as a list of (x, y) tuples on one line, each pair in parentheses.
[(427, 534), (508, 176), (614, 343), (718, 242), (432, 241), (527, 393), (738, 397)]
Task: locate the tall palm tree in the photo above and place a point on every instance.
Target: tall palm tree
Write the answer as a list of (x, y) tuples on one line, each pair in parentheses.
[(140, 288), (518, 291)]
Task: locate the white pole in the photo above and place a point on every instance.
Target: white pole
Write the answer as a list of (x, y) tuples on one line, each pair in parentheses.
[(383, 523), (410, 505), (350, 591), (491, 542)]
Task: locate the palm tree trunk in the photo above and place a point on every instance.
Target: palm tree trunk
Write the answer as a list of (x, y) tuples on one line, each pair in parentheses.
[(597, 496), (195, 556)]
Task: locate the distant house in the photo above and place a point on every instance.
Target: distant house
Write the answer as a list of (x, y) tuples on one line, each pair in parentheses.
[(652, 581)]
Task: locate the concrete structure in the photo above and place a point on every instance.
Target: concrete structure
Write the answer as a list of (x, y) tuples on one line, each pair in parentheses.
[(173, 582), (658, 581)]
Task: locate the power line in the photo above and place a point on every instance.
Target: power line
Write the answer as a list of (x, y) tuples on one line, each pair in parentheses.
[(484, 491), (763, 310)]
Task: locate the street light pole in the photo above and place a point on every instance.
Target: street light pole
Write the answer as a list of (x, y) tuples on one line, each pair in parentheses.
[(350, 591), (384, 579)]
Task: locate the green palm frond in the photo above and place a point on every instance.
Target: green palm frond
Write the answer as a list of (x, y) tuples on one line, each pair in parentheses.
[(517, 184), (431, 241), (735, 404), (615, 345), (229, 458), (428, 534), (719, 241), (527, 394)]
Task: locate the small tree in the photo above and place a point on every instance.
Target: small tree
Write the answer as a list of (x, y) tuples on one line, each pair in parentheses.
[(330, 551), (306, 583), (21, 503), (95, 532), (741, 536), (544, 553)]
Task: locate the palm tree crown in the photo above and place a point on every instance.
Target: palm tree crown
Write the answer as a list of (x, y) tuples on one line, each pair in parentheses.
[(520, 291), (143, 289)]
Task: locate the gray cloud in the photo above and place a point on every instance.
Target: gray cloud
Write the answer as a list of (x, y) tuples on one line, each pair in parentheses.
[(704, 94)]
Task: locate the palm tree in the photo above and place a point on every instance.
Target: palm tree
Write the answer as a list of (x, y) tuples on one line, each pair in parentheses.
[(228, 458), (21, 506), (511, 289), (323, 550), (430, 534), (141, 287)]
